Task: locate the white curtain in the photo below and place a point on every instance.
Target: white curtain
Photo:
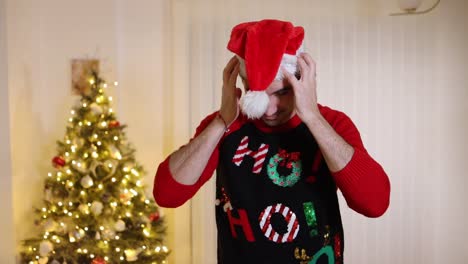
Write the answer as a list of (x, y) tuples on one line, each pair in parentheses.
[(403, 82)]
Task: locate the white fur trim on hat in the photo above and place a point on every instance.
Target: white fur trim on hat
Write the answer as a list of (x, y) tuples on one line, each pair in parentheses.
[(254, 104)]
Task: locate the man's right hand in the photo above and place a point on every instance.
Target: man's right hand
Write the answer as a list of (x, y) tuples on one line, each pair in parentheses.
[(229, 110)]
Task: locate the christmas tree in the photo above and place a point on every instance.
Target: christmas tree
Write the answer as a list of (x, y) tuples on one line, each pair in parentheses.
[(95, 209)]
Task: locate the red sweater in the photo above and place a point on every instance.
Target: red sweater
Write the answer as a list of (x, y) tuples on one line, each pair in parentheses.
[(363, 182)]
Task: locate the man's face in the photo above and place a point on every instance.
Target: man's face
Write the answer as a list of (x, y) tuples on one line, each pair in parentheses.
[(281, 106)]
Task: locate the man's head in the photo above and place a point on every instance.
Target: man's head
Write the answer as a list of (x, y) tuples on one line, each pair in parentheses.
[(264, 48)]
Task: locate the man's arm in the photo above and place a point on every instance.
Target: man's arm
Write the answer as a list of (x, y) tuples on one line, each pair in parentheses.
[(362, 181), (180, 176)]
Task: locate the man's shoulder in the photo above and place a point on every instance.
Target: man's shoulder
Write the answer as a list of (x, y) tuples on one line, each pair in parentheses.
[(333, 116)]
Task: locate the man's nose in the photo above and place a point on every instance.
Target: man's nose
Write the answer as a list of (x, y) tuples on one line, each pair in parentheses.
[(272, 106)]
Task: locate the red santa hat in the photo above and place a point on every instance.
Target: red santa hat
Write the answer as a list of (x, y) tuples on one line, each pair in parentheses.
[(263, 48)]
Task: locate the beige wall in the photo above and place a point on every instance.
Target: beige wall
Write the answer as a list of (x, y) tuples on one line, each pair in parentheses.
[(403, 80), (7, 243)]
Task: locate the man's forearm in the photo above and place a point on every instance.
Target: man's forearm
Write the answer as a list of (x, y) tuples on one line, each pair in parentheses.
[(188, 163), (335, 150)]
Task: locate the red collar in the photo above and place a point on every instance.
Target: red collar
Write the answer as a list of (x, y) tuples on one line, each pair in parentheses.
[(290, 124)]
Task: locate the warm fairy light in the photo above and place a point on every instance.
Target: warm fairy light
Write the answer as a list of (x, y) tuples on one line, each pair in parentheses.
[(59, 174), (99, 143), (37, 257), (62, 224), (117, 237), (85, 155), (85, 104), (79, 250), (92, 255), (65, 211), (104, 85), (44, 209), (99, 99), (73, 149), (95, 136), (94, 154), (60, 203), (117, 249), (124, 181), (100, 91), (128, 214), (91, 81), (103, 123), (114, 204), (80, 123), (113, 179), (127, 176), (82, 193), (89, 123), (116, 138), (135, 193), (116, 83), (68, 142), (72, 112), (164, 248), (72, 239), (106, 258), (49, 174), (157, 249), (70, 204), (101, 228), (69, 171), (110, 165), (121, 258), (135, 172), (100, 186), (110, 98), (105, 242), (143, 247), (138, 183), (146, 232), (70, 119), (86, 228), (147, 201), (110, 110), (85, 251)]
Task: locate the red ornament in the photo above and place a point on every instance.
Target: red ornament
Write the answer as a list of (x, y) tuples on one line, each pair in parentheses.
[(99, 260), (58, 162), (154, 216), (114, 123)]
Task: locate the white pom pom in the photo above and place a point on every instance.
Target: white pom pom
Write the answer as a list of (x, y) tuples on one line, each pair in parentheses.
[(254, 104)]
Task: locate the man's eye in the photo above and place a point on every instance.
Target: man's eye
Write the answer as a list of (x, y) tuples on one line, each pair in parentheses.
[(283, 91)]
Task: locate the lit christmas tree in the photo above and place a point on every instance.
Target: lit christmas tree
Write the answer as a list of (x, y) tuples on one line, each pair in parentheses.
[(95, 209)]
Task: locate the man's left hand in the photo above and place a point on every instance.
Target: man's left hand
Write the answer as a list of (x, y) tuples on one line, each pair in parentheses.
[(305, 89)]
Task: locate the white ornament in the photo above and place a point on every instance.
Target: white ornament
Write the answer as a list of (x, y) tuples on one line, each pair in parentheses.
[(108, 234), (97, 236), (96, 109), (96, 207), (50, 226), (114, 152), (131, 255), (43, 260), (86, 181), (45, 248), (119, 226), (84, 208)]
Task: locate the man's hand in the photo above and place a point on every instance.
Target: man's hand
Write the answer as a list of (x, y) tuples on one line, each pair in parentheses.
[(305, 89), (229, 110)]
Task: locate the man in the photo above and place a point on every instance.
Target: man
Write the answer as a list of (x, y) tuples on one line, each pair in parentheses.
[(279, 156)]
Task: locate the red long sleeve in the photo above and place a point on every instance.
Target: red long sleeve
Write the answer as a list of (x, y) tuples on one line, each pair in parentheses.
[(168, 192), (362, 181)]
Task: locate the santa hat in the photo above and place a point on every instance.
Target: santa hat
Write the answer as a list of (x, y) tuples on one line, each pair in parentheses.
[(263, 48)]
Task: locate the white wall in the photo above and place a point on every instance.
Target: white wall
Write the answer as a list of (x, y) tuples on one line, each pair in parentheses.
[(7, 248), (403, 80)]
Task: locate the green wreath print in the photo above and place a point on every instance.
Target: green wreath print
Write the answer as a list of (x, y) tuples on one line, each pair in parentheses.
[(290, 160)]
